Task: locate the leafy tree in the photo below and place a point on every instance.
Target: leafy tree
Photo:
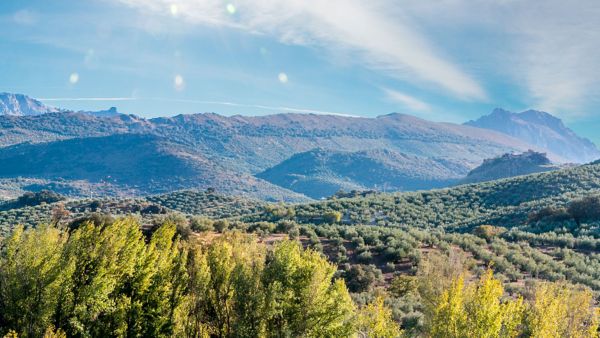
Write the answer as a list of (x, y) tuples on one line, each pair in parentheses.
[(375, 320), (221, 225), (31, 264), (201, 224), (477, 310), (301, 296), (360, 278), (560, 310), (488, 232), (332, 217)]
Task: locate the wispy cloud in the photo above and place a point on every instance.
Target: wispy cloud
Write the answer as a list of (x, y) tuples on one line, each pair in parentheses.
[(548, 48), (89, 99), (406, 100), (371, 31), (279, 109), (25, 17), (257, 106)]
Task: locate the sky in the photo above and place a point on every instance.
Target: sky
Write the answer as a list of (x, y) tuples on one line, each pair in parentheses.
[(443, 60)]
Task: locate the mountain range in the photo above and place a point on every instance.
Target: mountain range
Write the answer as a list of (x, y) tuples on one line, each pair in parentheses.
[(542, 130), (274, 157)]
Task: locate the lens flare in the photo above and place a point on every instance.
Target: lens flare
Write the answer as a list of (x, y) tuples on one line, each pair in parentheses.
[(178, 82), (231, 9), (283, 78), (174, 9), (74, 78)]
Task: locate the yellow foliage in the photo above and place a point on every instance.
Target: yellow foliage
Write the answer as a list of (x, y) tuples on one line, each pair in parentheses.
[(11, 334), (477, 310), (375, 320), (51, 333), (560, 310)]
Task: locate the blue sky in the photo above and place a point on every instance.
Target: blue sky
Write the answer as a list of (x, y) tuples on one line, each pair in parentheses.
[(446, 60)]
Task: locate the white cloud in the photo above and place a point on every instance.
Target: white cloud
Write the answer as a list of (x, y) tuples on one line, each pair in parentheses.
[(383, 41), (25, 17), (406, 100), (549, 48), (278, 109)]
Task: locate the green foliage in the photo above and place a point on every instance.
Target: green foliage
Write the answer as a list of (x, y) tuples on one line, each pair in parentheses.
[(360, 278), (108, 280), (96, 281), (488, 232), (585, 209), (201, 224), (31, 199)]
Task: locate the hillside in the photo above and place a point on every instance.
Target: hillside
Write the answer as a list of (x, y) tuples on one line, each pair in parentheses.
[(321, 173), (244, 153), (542, 130), (510, 165), (137, 163), (524, 227), (506, 202)]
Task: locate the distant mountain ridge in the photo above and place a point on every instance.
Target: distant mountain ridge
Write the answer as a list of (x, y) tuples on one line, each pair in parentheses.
[(231, 153), (22, 105), (542, 130), (510, 165)]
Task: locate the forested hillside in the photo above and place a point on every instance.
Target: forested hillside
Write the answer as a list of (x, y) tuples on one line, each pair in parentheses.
[(529, 230), (321, 173)]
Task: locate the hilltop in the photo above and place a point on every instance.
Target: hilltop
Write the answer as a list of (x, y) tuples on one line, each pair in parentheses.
[(510, 165)]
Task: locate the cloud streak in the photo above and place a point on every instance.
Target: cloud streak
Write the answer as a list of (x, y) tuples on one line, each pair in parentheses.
[(386, 42), (205, 102), (406, 100)]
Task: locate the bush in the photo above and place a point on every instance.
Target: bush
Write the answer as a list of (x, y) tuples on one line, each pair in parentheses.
[(201, 224), (360, 278), (221, 225)]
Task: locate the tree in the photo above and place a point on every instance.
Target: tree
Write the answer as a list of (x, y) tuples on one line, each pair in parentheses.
[(332, 217), (31, 266), (221, 225), (360, 278), (302, 297), (561, 310), (375, 320), (488, 232), (477, 310), (201, 224), (585, 209)]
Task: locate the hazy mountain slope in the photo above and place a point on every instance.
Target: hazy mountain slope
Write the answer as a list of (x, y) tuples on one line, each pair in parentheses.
[(543, 130), (321, 173), (65, 125), (233, 149), (510, 165), (22, 105), (262, 142), (253, 144), (144, 163)]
